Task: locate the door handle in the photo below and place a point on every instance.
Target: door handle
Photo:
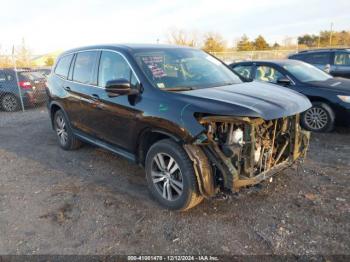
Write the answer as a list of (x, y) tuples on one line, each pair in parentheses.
[(67, 88)]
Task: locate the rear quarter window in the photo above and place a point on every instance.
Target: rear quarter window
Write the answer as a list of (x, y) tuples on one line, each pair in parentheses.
[(62, 67)]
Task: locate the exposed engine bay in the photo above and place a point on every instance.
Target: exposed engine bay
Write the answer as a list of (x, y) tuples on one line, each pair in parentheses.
[(237, 152)]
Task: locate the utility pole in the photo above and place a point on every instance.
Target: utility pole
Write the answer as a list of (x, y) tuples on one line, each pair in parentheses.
[(330, 35)]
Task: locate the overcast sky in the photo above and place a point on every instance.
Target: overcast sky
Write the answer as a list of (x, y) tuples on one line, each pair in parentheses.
[(61, 24)]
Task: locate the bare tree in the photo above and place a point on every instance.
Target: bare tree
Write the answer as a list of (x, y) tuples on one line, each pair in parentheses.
[(182, 37), (23, 56), (5, 59)]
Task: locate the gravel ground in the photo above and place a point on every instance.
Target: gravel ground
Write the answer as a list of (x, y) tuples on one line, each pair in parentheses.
[(93, 202)]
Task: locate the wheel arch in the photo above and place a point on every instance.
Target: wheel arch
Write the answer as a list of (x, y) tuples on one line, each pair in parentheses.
[(315, 99), (54, 107), (148, 137)]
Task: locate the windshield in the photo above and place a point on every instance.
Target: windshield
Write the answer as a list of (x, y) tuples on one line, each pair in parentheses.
[(306, 73), (184, 69)]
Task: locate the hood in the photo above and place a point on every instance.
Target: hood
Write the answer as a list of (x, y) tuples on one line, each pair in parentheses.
[(254, 99), (336, 84)]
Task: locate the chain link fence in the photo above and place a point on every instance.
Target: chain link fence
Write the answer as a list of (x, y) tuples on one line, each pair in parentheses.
[(235, 56)]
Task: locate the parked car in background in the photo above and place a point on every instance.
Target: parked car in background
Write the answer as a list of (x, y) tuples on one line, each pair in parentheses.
[(179, 112), (330, 96), (333, 61), (30, 87)]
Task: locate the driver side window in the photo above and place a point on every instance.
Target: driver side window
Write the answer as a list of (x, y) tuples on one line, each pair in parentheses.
[(267, 74), (113, 66)]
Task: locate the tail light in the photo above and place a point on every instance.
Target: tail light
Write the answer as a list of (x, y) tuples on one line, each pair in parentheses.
[(25, 84)]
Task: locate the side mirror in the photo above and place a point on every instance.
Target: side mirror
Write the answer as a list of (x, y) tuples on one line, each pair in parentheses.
[(119, 87), (284, 81)]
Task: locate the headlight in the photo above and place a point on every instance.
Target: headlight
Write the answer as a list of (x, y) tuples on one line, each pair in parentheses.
[(345, 99)]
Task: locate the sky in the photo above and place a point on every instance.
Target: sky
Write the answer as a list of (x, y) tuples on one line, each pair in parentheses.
[(63, 24)]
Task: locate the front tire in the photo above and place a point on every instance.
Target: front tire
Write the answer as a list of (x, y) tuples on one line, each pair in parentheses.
[(66, 139), (319, 118), (170, 176)]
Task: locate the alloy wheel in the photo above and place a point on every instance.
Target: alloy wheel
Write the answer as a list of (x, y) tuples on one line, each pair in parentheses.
[(167, 176), (61, 130), (316, 118), (9, 103)]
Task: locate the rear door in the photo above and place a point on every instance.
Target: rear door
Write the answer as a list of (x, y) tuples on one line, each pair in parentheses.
[(83, 86), (70, 99), (341, 64)]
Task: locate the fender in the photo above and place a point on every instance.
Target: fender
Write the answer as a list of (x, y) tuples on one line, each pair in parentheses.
[(55, 103)]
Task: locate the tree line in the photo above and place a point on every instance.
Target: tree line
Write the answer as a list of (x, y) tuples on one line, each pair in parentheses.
[(210, 42), (22, 57), (214, 42)]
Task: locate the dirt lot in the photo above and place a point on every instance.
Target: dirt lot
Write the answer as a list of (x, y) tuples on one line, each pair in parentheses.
[(93, 202)]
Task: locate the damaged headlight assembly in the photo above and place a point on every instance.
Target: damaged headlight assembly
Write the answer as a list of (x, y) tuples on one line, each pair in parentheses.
[(235, 152)]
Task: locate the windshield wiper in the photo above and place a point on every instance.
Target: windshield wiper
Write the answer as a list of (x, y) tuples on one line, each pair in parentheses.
[(178, 88)]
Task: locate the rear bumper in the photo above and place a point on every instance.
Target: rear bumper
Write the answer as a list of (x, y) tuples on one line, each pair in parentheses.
[(31, 98)]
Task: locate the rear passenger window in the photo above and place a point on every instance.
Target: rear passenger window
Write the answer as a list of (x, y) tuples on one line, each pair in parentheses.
[(63, 64), (84, 68)]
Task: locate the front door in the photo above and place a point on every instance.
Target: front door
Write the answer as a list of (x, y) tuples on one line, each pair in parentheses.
[(115, 117)]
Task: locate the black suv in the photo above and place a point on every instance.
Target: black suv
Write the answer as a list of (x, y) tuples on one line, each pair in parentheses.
[(333, 61), (21, 84), (180, 113)]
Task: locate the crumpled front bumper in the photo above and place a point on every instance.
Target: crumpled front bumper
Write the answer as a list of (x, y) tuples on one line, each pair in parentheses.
[(203, 161)]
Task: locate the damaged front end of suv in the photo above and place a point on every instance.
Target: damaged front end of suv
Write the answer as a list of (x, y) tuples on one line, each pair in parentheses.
[(235, 152)]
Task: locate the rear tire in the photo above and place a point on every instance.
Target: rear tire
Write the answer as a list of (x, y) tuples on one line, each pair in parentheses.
[(10, 103), (319, 118), (170, 176), (65, 136)]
